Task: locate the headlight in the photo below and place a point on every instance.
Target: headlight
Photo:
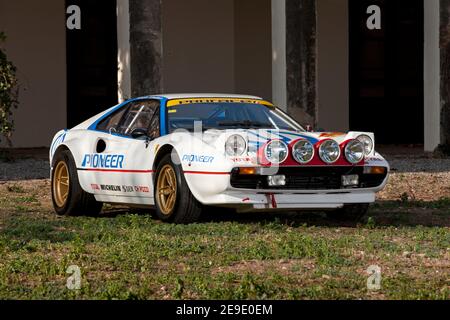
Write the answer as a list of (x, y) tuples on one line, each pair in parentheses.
[(303, 151), (367, 142), (235, 145), (329, 151), (276, 151), (354, 151)]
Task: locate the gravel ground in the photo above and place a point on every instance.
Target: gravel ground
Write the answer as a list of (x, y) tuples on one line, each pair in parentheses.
[(39, 169), (24, 170), (429, 165)]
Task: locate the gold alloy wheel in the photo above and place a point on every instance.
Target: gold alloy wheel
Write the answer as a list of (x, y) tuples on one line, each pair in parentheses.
[(61, 184), (166, 189)]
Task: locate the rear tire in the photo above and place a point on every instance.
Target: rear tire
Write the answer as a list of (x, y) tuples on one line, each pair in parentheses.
[(173, 199), (67, 195), (350, 212)]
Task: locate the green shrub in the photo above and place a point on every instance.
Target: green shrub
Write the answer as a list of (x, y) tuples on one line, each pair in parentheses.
[(8, 93)]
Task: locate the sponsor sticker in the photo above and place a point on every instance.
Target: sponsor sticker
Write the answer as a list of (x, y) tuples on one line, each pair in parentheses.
[(125, 189), (331, 134), (137, 189), (179, 102), (110, 188), (241, 159), (197, 158), (103, 161), (95, 186), (142, 189)]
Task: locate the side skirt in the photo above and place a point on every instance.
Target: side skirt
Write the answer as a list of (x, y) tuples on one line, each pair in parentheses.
[(146, 202)]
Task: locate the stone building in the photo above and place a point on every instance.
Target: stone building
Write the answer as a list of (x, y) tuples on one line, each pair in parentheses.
[(378, 65)]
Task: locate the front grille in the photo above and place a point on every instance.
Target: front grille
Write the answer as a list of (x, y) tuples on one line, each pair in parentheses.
[(307, 178)]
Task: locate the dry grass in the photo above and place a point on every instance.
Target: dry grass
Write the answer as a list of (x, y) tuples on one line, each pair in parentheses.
[(283, 256)]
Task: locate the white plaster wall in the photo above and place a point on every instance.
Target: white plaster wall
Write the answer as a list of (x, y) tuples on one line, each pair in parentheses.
[(333, 64), (36, 44), (198, 46), (253, 46)]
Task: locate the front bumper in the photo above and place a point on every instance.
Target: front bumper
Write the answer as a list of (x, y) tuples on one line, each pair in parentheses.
[(275, 201), (308, 178), (317, 188)]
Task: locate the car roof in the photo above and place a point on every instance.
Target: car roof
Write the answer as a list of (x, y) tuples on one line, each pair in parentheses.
[(204, 95)]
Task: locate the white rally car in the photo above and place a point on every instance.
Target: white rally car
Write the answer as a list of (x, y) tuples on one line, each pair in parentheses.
[(179, 153)]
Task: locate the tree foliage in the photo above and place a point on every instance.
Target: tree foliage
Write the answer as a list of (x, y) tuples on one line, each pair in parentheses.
[(9, 90)]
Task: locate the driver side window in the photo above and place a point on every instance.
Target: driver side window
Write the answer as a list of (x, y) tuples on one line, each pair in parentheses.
[(137, 115)]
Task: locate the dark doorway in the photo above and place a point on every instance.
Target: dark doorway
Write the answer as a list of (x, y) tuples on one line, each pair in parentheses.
[(92, 60), (386, 71)]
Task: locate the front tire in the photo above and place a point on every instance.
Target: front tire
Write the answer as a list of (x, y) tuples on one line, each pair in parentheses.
[(67, 195), (350, 213), (174, 201)]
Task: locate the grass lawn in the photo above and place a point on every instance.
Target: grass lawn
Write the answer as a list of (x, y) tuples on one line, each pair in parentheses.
[(125, 255)]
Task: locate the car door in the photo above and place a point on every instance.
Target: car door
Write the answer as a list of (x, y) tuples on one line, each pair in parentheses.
[(122, 165)]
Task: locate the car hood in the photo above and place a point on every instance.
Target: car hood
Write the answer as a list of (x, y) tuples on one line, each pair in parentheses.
[(257, 138), (262, 136)]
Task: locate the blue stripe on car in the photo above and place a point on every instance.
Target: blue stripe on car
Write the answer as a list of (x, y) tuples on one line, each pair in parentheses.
[(60, 139), (163, 117)]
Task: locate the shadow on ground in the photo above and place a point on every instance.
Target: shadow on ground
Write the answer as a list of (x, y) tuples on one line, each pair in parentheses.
[(382, 214)]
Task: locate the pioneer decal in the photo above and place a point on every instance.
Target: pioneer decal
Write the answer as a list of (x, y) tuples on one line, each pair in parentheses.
[(197, 158), (103, 161)]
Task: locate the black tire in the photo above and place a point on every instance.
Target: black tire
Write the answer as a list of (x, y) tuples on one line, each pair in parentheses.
[(187, 209), (78, 201), (350, 212)]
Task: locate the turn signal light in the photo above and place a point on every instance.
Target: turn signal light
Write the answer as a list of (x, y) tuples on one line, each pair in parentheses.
[(247, 171), (375, 170)]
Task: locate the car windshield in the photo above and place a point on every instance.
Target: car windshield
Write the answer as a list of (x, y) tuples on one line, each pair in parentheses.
[(224, 116)]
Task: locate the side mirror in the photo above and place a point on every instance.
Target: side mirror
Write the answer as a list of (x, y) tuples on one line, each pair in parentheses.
[(310, 128), (139, 133)]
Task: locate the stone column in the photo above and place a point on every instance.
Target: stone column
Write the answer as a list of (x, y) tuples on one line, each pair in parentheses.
[(432, 78), (146, 47), (445, 73), (123, 50), (301, 55)]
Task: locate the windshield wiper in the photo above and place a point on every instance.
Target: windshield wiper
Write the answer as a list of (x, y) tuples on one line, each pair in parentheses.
[(244, 123)]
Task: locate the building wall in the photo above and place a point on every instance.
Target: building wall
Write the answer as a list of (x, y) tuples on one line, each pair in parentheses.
[(36, 44), (333, 64), (253, 47), (198, 46), (217, 46)]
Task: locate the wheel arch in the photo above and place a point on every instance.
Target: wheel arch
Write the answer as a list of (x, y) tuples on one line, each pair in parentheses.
[(162, 152), (60, 148)]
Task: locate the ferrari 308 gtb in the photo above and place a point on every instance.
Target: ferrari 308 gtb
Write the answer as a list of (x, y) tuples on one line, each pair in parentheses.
[(181, 153)]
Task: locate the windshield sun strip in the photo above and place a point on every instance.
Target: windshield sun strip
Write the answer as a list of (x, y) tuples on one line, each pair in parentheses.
[(180, 102)]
